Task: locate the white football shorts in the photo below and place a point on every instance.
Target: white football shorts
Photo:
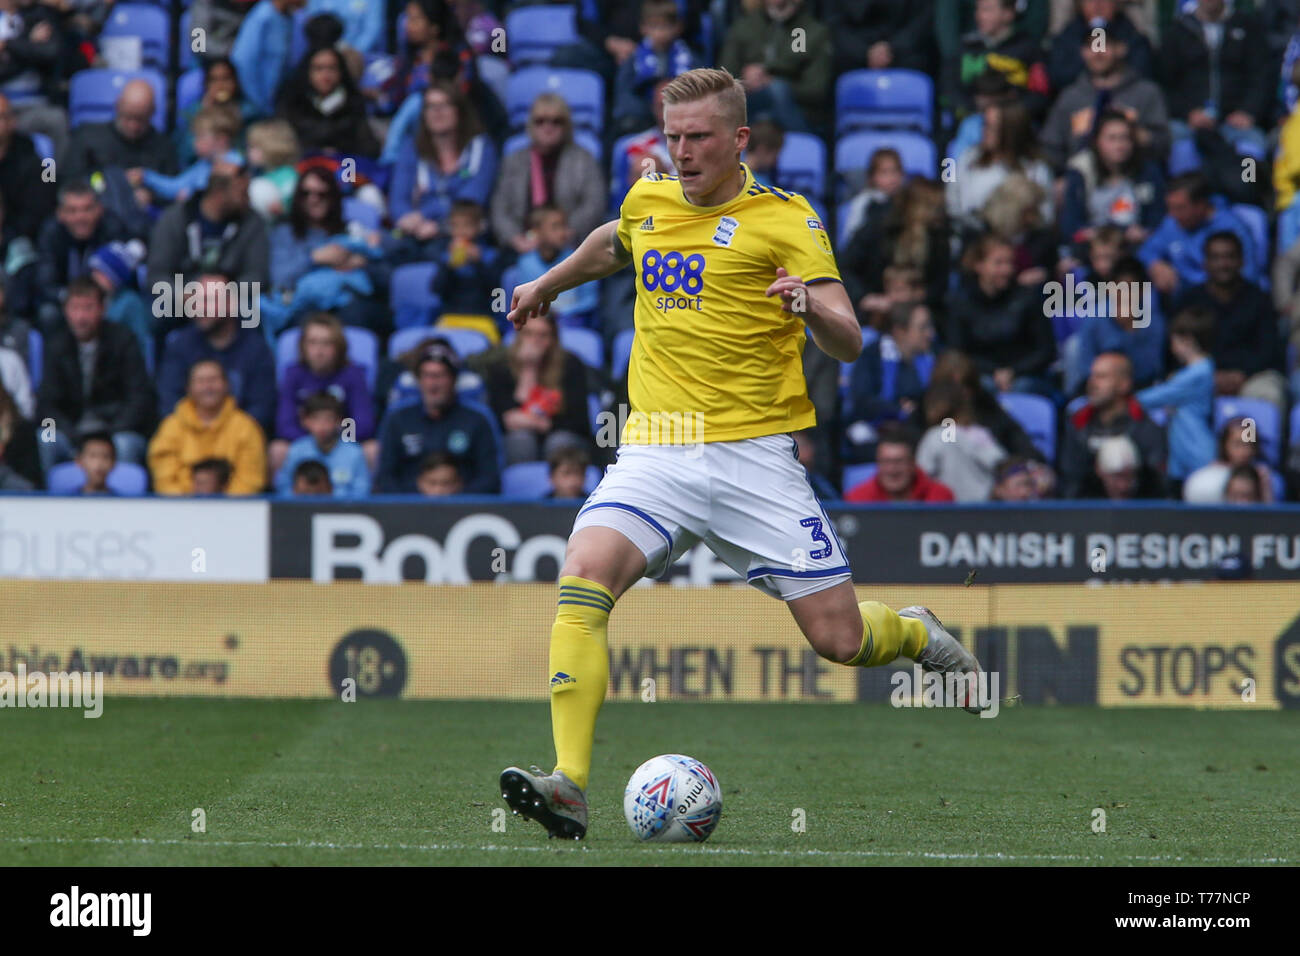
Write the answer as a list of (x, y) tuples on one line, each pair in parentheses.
[(749, 501)]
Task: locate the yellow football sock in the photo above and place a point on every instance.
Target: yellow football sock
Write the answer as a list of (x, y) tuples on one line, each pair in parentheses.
[(579, 672), (885, 635)]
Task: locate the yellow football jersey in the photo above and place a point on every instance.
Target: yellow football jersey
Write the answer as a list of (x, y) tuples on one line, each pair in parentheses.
[(713, 358)]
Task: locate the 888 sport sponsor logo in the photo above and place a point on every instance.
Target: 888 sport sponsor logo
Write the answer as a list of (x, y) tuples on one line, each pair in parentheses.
[(679, 277)]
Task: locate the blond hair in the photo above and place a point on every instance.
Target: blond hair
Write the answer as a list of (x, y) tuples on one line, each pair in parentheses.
[(277, 141), (216, 120), (1014, 206), (697, 84)]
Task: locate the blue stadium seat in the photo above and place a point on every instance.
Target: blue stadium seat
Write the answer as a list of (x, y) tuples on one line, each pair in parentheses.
[(853, 153), (532, 480), (363, 348), (1036, 415), (583, 90), (92, 95), (1295, 422), (126, 479), (1183, 157), (584, 343), (1268, 423), (409, 294), (873, 99), (537, 32), (35, 357), (151, 24), (622, 357), (184, 46), (466, 342), (189, 89), (801, 167), (1256, 222), (355, 210), (43, 144), (583, 137), (855, 475)]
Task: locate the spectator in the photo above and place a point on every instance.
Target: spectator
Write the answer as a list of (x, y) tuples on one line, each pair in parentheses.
[(1141, 338), (1175, 253), (958, 367), (66, 243), (538, 392), (988, 89), (207, 424), (129, 141), (806, 442), (1118, 471), (262, 49), (567, 467), (885, 178), (114, 268), (448, 158), (220, 88), (273, 151), (10, 423), (1188, 394), (889, 378), (311, 478), (881, 34), (1001, 325), (211, 478), (96, 457), (898, 477), (997, 43), (1111, 184), (321, 416), (911, 234), (17, 382), (1247, 349), (212, 232), (661, 55), (647, 151), (469, 272), (1013, 481), (786, 82), (439, 476), (28, 196), (552, 170), (30, 67), (1019, 212), (323, 366), (954, 450), (766, 140), (1007, 145), (1238, 447), (1107, 79), (320, 263), (219, 20), (215, 130), (94, 379), (217, 334), (1213, 75), (18, 272), (438, 423), (364, 26), (554, 243), (325, 108), (1065, 61), (1111, 410), (1246, 487)]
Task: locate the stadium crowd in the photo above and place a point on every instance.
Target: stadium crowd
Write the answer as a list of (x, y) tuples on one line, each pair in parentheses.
[(269, 247)]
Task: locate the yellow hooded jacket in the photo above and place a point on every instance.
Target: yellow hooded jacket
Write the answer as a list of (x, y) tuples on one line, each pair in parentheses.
[(183, 440)]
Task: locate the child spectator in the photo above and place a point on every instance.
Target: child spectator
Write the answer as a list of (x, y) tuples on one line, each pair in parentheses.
[(439, 476), (115, 268), (568, 471), (210, 478), (1209, 483), (312, 478), (954, 450), (554, 242), (273, 152), (215, 129), (96, 458), (220, 88), (1188, 393), (322, 419), (661, 54), (997, 43), (766, 141), (470, 272), (1245, 487), (323, 366), (885, 177), (1013, 481), (1020, 211)]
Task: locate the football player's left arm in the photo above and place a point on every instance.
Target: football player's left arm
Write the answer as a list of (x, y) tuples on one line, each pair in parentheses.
[(826, 309)]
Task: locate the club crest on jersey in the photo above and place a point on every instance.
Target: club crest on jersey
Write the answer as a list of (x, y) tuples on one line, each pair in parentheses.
[(726, 230), (819, 233)]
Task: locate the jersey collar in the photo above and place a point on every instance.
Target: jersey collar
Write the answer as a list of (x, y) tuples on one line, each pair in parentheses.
[(744, 191)]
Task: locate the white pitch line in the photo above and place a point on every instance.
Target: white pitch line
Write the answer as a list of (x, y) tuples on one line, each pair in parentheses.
[(706, 850)]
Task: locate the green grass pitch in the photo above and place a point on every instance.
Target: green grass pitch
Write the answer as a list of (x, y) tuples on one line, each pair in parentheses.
[(403, 782)]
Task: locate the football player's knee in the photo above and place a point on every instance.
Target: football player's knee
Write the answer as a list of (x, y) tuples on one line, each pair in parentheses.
[(838, 642)]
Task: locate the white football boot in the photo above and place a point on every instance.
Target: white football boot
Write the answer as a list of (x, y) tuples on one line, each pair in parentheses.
[(552, 799), (944, 654)]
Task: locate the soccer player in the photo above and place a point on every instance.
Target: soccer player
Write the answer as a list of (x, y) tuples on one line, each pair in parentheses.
[(729, 272)]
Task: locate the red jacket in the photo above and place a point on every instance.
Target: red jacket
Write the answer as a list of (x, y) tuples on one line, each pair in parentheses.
[(924, 488)]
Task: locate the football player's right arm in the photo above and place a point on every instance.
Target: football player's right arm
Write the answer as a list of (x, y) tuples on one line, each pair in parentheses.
[(602, 253)]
